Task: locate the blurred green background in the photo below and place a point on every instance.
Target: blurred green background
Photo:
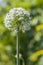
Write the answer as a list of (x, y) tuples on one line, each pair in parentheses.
[(31, 42)]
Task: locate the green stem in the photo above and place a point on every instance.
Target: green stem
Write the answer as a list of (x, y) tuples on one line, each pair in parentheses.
[(17, 47)]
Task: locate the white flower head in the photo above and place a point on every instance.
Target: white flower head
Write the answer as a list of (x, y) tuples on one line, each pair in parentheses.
[(17, 16)]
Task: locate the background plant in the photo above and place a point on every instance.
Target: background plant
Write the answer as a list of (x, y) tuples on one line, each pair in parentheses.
[(33, 42)]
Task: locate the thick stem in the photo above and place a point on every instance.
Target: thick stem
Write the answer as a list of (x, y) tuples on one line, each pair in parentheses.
[(17, 49)]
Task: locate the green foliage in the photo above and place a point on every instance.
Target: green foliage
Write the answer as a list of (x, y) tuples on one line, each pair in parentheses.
[(31, 42)]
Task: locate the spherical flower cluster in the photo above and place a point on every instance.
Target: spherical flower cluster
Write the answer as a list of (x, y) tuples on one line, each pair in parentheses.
[(17, 17)]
